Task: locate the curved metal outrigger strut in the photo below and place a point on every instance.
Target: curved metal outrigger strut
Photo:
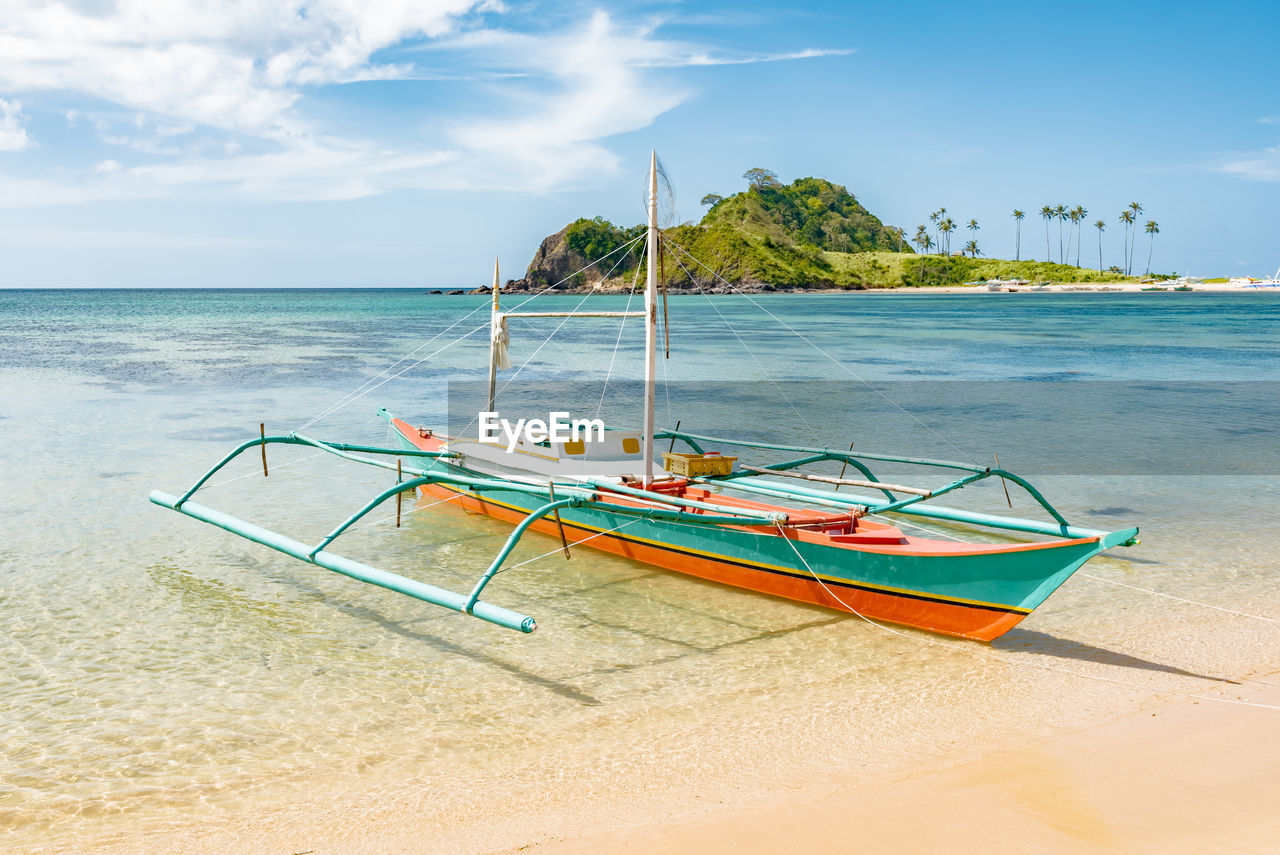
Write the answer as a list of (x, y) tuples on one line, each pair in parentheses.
[(864, 504), (649, 506)]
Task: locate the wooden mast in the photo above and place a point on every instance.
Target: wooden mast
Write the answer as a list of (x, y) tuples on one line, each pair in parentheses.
[(651, 321), (494, 321)]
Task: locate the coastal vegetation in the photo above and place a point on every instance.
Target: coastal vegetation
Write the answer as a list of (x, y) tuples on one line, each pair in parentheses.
[(811, 233)]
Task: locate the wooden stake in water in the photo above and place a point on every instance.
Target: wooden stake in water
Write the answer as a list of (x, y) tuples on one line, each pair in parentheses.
[(399, 478), (1002, 482), (262, 432), (845, 465), (564, 541)]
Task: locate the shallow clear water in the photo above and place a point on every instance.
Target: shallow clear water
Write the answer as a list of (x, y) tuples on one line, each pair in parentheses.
[(161, 674)]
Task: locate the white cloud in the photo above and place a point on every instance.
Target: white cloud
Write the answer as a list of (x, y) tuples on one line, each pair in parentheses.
[(1263, 165), (1270, 120), (13, 136), (210, 97), (596, 90), (236, 65)]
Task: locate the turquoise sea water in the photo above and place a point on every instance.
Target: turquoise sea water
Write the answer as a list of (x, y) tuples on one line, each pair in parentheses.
[(161, 677)]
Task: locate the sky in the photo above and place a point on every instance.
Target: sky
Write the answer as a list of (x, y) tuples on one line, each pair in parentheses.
[(196, 143)]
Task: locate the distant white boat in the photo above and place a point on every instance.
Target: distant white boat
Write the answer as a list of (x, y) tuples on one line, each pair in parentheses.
[(1250, 282), (1001, 284)]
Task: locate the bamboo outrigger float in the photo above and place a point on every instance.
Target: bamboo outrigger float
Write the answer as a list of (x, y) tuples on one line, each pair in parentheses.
[(777, 537)]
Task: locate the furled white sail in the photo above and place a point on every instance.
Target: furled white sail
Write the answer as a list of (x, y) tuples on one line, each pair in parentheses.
[(501, 340)]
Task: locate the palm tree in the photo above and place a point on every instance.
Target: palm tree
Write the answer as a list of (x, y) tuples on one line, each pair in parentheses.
[(1152, 229), (1018, 215), (936, 218), (1047, 213), (1126, 217), (946, 227), (1075, 221), (1060, 211), (973, 227), (972, 247), (923, 241), (1081, 213), (1100, 225), (1135, 208)]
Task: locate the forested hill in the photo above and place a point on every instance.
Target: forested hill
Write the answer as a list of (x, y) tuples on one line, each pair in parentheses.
[(809, 211), (810, 233), (769, 235)]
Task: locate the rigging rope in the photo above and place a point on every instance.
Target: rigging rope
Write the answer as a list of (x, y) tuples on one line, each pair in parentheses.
[(617, 344), (746, 347), (840, 364), (361, 390), (546, 340)]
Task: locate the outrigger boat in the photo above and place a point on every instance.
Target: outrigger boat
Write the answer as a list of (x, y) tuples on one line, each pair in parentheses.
[(768, 528)]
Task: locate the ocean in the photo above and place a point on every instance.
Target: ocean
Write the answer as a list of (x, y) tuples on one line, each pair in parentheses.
[(163, 679)]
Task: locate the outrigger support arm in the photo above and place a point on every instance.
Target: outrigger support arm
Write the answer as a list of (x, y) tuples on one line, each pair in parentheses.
[(574, 495), (320, 557), (514, 538), (347, 567), (1060, 527)]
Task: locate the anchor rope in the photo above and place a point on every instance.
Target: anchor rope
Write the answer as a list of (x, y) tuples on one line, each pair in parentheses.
[(361, 390), (1172, 597), (837, 362), (1003, 660), (1104, 579), (1113, 582)]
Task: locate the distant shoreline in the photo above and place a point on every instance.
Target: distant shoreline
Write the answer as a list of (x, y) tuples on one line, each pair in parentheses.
[(1052, 288)]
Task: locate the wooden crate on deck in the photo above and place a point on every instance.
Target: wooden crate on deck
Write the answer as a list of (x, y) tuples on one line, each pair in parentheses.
[(695, 465)]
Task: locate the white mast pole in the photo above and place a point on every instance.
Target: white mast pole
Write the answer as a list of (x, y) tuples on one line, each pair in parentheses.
[(651, 323), (494, 320)]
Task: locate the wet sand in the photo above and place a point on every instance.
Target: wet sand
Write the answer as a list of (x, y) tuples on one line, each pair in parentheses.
[(1185, 775)]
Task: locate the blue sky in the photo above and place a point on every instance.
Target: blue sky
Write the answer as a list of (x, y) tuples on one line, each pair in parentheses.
[(348, 143)]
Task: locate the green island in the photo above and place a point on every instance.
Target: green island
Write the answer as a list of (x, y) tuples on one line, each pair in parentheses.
[(810, 234)]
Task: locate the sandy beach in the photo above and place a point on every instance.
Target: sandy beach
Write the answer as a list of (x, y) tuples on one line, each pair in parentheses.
[(1176, 775), (1184, 775)]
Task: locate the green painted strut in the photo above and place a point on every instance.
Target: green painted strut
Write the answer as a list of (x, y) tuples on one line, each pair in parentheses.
[(338, 448), (852, 458), (514, 538), (353, 569)]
